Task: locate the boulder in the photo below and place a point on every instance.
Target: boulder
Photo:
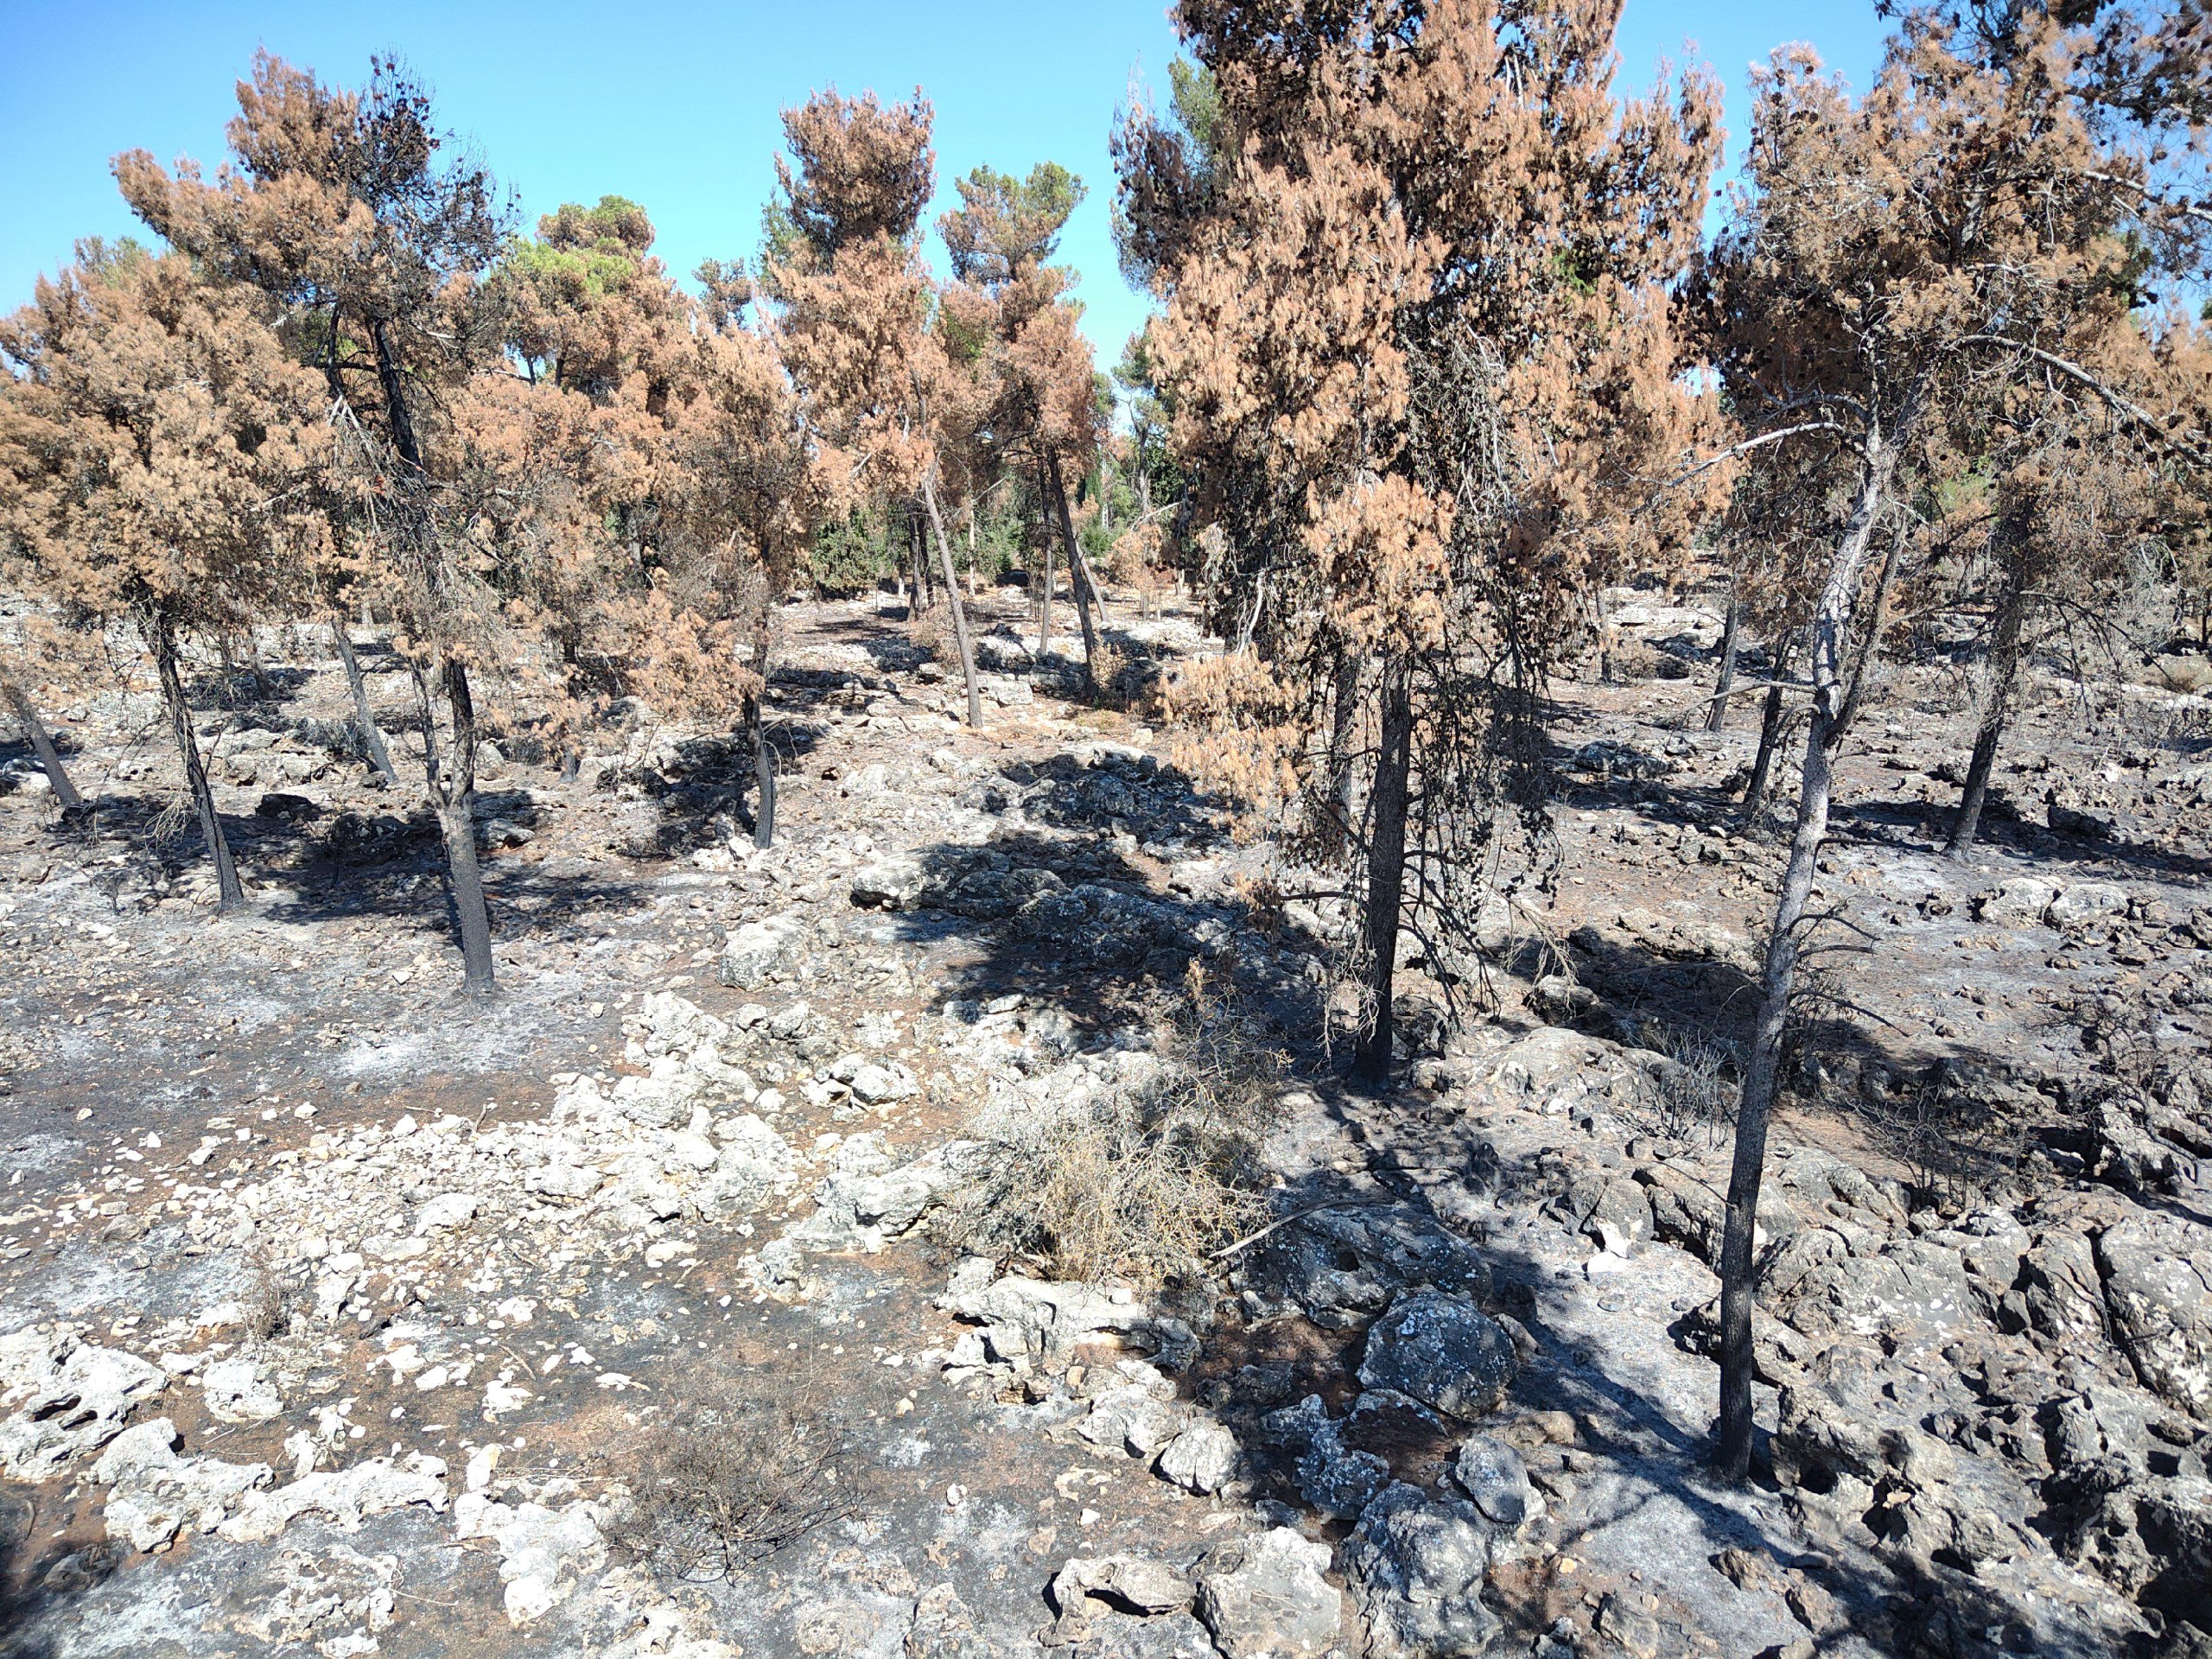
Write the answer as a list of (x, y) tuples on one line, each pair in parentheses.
[(1265, 1598), (2158, 1287), (239, 1391), (1495, 1479), (1343, 1267), (1417, 1566), (890, 884), (1202, 1459), (1090, 1586), (1443, 1351), (2023, 901), (76, 1406), (154, 1493), (1039, 1319), (757, 951)]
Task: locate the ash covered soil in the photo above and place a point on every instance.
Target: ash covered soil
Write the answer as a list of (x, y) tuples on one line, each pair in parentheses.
[(342, 1314)]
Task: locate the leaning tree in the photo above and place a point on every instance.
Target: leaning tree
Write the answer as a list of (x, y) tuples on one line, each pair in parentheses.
[(1914, 288)]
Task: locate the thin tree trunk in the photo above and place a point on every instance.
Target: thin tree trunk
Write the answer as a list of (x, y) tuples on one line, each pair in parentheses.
[(455, 798), (162, 635), (973, 592), (1604, 637), (1762, 1077), (1769, 740), (2004, 669), (1045, 597), (1862, 667), (959, 610), (41, 741), (1718, 716), (364, 722), (1385, 866), (764, 758), (1343, 729), (1086, 595)]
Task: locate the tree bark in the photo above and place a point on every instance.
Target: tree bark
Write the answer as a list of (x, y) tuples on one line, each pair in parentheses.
[(764, 758), (41, 741), (455, 798), (1718, 716), (1824, 733), (1045, 591), (959, 610), (2004, 669), (364, 722), (1862, 668), (162, 635), (1079, 570), (1769, 740), (1386, 868), (1344, 728)]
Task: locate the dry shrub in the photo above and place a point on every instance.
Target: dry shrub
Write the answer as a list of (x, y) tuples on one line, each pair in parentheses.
[(274, 1304), (932, 630), (1141, 1184), (741, 1465), (1109, 675)]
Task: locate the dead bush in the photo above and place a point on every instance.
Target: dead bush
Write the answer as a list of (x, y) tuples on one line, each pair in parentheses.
[(739, 1466), (1698, 1093), (1139, 1184), (276, 1303)]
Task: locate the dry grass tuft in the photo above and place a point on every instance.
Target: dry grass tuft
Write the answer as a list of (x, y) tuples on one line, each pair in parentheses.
[(1138, 1185), (742, 1466)]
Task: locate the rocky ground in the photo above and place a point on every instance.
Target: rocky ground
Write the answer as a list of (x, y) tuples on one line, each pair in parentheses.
[(342, 1315)]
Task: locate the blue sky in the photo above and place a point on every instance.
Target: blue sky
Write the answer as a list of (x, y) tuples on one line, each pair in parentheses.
[(675, 105)]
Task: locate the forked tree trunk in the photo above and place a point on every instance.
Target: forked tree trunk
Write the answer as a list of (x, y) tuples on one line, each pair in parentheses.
[(2004, 669), (41, 742), (1078, 568), (1385, 866), (161, 633), (454, 794), (453, 798), (959, 610), (1862, 669), (1716, 716), (364, 723), (1762, 1075)]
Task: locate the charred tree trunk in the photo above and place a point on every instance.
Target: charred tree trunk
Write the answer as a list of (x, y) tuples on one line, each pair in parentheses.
[(1344, 728), (1716, 716), (1044, 589), (161, 633), (41, 742), (1769, 740), (454, 794), (364, 723), (2003, 671), (1086, 596), (764, 758), (1385, 866), (959, 610), (1762, 1077)]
